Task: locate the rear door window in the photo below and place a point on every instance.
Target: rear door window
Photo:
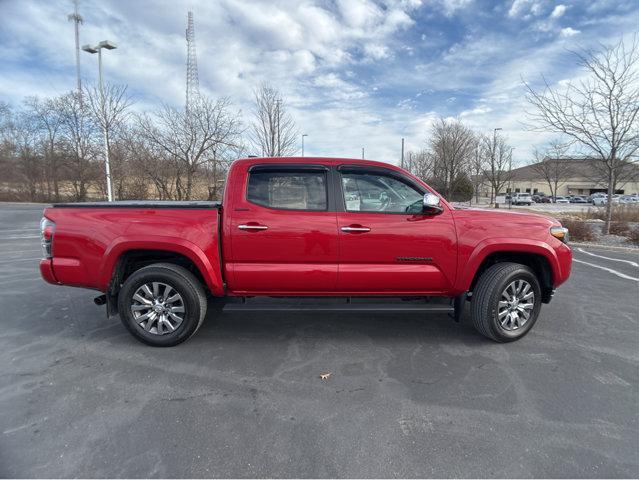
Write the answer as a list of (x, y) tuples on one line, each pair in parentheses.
[(288, 190)]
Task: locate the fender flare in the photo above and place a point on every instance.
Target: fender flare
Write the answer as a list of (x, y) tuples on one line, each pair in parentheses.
[(496, 245), (211, 271)]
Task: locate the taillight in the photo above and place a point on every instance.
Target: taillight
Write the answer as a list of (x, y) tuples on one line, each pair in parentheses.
[(47, 229)]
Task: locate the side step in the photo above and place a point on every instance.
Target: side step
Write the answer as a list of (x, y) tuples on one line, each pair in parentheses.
[(287, 305)]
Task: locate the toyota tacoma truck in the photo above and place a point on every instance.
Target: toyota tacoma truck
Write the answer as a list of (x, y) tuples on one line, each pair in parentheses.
[(307, 234)]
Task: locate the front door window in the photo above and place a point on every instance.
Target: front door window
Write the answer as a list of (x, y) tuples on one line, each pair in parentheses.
[(371, 192)]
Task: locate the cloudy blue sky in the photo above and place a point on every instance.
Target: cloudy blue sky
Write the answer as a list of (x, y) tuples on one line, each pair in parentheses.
[(355, 73)]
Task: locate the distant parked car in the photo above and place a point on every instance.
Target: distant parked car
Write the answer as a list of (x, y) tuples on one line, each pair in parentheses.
[(591, 198), (545, 199), (562, 200), (598, 201), (629, 199), (522, 199), (578, 200)]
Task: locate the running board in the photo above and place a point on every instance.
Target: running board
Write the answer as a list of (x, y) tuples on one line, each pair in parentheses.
[(338, 307)]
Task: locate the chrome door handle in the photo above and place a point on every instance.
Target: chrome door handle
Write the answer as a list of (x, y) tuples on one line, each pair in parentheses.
[(355, 229), (252, 227)]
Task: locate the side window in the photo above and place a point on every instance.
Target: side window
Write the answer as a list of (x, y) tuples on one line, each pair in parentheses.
[(291, 190), (372, 192)]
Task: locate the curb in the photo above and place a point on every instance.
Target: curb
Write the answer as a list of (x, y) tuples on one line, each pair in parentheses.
[(613, 248)]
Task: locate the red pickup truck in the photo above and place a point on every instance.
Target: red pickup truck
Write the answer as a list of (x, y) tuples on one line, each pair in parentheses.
[(315, 233)]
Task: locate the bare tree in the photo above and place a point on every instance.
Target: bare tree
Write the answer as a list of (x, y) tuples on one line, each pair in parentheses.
[(48, 121), (191, 139), (420, 164), (6, 144), (273, 132), (110, 107), (478, 167), (498, 160), (551, 165), (29, 164), (598, 113), (452, 145), (151, 163), (78, 132)]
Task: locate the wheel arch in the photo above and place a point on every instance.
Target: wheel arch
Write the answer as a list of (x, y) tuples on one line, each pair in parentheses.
[(540, 258), (124, 257)]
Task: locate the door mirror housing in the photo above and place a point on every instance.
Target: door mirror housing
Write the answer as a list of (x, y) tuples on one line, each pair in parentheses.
[(432, 204)]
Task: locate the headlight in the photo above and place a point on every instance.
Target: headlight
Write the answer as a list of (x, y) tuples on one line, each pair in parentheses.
[(560, 233)]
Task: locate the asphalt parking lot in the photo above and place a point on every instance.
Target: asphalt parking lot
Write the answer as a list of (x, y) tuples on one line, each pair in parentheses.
[(409, 395)]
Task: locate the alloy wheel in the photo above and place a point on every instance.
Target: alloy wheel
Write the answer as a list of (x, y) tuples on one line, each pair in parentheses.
[(157, 308), (515, 305)]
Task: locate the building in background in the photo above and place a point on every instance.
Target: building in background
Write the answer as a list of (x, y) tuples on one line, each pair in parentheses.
[(574, 176)]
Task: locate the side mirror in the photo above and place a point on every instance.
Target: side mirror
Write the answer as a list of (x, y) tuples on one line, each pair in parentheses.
[(432, 204)]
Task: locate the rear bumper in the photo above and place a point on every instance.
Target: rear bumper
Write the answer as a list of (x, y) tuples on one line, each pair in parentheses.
[(46, 271)]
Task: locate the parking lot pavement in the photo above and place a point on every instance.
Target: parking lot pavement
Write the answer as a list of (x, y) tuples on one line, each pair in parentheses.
[(409, 395)]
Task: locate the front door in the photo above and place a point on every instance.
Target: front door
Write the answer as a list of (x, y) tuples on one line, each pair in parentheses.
[(387, 245), (283, 234)]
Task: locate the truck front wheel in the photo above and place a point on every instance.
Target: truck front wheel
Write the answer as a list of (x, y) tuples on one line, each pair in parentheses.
[(162, 304), (506, 302)]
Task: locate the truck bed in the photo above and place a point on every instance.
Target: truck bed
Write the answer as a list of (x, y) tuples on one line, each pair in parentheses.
[(90, 238)]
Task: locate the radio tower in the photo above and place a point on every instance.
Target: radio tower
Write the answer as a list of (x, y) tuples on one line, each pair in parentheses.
[(192, 81), (77, 19)]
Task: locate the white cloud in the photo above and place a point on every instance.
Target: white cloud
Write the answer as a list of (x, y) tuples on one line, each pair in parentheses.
[(338, 89), (569, 32), (341, 65), (558, 11), (524, 7), (376, 51), (476, 111), (451, 7)]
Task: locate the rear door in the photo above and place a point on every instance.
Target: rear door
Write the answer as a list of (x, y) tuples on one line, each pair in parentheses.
[(387, 245), (283, 231)]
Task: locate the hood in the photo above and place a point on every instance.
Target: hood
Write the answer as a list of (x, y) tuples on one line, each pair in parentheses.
[(500, 215)]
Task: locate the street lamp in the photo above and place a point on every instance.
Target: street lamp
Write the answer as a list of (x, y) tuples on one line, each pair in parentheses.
[(278, 103), (495, 135), (493, 159), (510, 176), (98, 49), (303, 135)]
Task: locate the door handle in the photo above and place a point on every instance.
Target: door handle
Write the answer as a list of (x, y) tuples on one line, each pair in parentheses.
[(355, 229), (252, 227)]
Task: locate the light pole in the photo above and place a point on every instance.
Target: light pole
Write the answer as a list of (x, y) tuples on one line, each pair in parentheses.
[(493, 158), (510, 177), (362, 153), (303, 135), (98, 49), (277, 106)]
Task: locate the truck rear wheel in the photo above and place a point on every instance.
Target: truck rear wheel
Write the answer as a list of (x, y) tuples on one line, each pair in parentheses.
[(506, 302), (162, 304)]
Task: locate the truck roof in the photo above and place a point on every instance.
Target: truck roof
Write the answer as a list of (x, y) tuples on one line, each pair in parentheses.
[(315, 161)]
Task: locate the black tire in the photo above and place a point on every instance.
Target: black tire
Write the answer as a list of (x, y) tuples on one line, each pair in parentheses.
[(487, 294), (184, 283)]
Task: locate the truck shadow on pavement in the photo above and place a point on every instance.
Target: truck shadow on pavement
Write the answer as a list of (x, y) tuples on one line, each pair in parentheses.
[(406, 327)]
